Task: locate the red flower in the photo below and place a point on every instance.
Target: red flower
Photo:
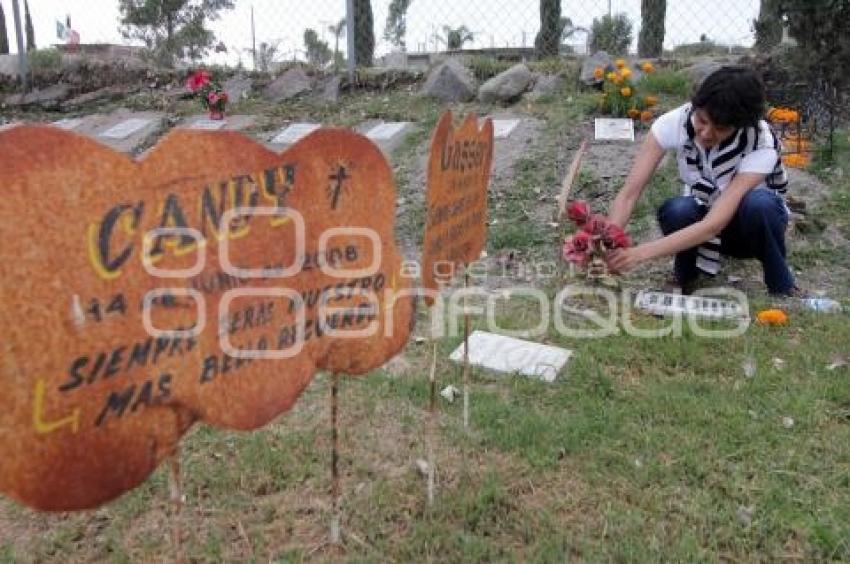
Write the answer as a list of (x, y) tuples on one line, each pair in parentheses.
[(595, 225), (613, 237), (578, 212), (198, 80), (213, 98), (577, 247)]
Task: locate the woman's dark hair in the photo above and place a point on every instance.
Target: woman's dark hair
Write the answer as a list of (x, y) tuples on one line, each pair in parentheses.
[(732, 96)]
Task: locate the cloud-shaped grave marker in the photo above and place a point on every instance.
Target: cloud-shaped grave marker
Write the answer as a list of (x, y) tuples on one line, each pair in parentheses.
[(207, 282)]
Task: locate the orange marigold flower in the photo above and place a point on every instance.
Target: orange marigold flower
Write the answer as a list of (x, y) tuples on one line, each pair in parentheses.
[(633, 113), (650, 101), (626, 91), (773, 317), (626, 72), (620, 63), (598, 73), (796, 160), (646, 116), (647, 67), (611, 76)]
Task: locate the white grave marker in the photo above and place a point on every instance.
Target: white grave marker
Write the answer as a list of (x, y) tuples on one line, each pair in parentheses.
[(126, 128), (68, 123), (611, 129), (294, 132), (509, 355), (660, 303), (386, 131), (208, 124), (502, 128)]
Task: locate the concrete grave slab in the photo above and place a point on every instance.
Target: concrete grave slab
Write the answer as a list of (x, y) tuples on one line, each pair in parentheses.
[(388, 136), (502, 128), (122, 130), (508, 355), (294, 132), (614, 129), (661, 303), (386, 131), (229, 123)]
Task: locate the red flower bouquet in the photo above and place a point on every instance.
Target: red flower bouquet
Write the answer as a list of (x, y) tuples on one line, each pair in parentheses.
[(212, 95), (595, 238)]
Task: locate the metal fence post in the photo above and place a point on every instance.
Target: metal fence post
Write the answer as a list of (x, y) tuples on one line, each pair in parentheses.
[(22, 53), (352, 55)]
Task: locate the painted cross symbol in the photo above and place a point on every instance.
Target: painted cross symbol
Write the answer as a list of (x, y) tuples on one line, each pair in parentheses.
[(340, 176)]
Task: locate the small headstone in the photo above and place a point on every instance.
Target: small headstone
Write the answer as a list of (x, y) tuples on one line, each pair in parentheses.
[(126, 128), (509, 355), (68, 123), (614, 129), (387, 131), (294, 132), (207, 124), (502, 128)]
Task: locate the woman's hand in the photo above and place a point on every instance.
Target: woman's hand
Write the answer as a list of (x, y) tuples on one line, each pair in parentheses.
[(623, 260)]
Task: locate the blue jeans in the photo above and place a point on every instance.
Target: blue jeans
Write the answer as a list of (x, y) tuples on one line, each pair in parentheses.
[(756, 231)]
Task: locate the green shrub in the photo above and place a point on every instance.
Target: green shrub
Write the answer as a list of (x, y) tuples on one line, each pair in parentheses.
[(44, 60), (485, 68), (611, 34), (666, 82)]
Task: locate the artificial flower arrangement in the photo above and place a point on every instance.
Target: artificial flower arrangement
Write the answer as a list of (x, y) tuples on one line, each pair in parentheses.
[(212, 95), (620, 96), (595, 238), (789, 127)]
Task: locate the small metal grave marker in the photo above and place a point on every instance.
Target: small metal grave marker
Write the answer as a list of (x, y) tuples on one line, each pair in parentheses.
[(68, 123), (612, 129), (660, 303), (386, 131), (208, 124), (126, 128), (509, 355), (295, 132)]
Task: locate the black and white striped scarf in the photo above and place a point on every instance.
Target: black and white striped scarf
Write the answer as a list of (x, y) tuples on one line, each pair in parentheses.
[(707, 174)]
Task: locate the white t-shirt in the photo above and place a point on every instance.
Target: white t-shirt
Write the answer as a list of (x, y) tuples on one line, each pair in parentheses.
[(670, 133)]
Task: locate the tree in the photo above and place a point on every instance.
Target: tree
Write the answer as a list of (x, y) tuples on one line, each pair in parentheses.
[(651, 38), (364, 33), (317, 51), (395, 29), (768, 26), (28, 27), (548, 40), (822, 31), (171, 29), (456, 37), (4, 38), (611, 34), (338, 30), (265, 55)]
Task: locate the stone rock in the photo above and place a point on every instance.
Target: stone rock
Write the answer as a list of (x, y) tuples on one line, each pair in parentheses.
[(238, 87), (290, 84), (507, 86), (598, 59), (107, 94), (546, 85), (450, 82), (700, 71), (330, 90), (47, 98)]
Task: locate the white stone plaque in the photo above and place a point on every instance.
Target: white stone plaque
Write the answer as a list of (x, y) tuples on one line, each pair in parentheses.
[(126, 128), (294, 132), (68, 123), (612, 129), (661, 303), (502, 128), (386, 131), (208, 124), (509, 355)]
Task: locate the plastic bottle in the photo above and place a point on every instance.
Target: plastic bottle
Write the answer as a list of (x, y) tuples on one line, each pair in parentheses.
[(822, 305)]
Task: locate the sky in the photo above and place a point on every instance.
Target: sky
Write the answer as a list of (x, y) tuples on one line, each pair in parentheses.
[(493, 22)]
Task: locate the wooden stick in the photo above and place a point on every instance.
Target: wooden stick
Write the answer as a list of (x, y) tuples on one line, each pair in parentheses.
[(432, 425), (570, 179), (466, 352), (335, 517), (175, 489)]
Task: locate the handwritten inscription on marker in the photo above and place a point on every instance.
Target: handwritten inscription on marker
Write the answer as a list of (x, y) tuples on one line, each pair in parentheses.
[(207, 282), (458, 176)]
